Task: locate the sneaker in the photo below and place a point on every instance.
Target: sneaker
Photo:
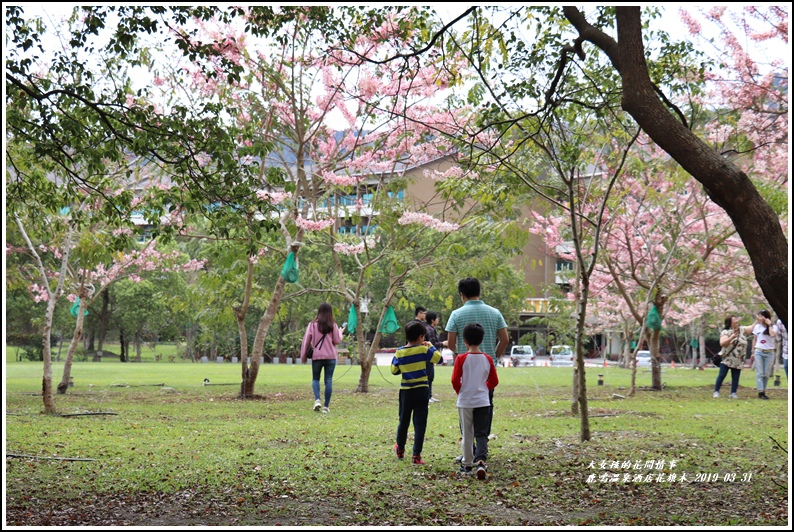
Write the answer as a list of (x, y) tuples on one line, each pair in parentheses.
[(762, 395), (465, 470), (458, 459), (326, 410), (417, 460), (716, 395), (734, 396), (399, 452), (317, 405), (481, 473), (434, 400)]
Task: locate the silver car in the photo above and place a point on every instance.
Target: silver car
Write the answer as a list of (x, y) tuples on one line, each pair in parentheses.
[(520, 355), (561, 355), (643, 359)]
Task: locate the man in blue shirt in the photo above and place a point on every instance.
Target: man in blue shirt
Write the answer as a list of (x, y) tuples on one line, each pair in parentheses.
[(473, 310)]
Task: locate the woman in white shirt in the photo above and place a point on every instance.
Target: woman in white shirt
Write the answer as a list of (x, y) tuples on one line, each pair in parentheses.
[(763, 357)]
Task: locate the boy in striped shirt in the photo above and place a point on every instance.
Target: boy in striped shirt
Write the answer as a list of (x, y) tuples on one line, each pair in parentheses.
[(411, 361)]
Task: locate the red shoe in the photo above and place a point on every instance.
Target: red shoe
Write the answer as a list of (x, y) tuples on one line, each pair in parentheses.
[(417, 460), (399, 452)]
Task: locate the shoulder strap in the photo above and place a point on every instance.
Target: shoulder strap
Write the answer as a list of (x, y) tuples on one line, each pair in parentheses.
[(320, 342)]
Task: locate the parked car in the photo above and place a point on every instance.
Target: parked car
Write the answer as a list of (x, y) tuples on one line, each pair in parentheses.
[(561, 355), (446, 357), (520, 355), (643, 359)]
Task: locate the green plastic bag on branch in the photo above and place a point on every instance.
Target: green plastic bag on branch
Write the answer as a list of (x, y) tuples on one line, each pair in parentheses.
[(654, 321), (352, 320), (290, 269), (76, 308), (390, 325)]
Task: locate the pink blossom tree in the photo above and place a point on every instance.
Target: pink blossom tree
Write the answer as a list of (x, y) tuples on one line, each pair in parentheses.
[(281, 104), (78, 257), (664, 237)]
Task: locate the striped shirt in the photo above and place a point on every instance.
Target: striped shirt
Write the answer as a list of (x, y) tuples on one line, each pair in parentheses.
[(411, 361), (476, 311)]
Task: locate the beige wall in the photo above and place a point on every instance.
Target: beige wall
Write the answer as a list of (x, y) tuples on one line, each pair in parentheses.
[(538, 268)]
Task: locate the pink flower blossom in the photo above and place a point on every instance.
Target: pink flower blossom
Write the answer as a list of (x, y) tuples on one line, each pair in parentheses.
[(309, 225), (274, 198), (428, 221)]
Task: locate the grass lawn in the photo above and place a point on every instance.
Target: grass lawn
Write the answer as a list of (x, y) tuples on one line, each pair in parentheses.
[(188, 454)]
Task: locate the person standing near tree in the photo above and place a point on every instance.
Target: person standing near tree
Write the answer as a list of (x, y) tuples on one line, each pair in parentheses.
[(783, 344), (495, 338), (764, 350), (431, 321), (734, 348), (322, 335)]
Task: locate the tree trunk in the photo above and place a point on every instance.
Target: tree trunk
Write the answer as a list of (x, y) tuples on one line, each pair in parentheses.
[(103, 325), (653, 344), (46, 381), (137, 341), (123, 346), (78, 333), (367, 357), (579, 376), (89, 344), (702, 344), (250, 375), (240, 316), (656, 366)]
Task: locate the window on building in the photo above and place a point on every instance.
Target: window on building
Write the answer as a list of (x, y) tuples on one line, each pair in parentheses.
[(564, 265)]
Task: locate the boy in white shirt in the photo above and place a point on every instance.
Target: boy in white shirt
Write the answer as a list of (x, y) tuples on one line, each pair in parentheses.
[(473, 375)]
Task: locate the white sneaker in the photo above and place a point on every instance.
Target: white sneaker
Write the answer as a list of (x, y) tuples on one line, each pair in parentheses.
[(734, 396), (434, 400), (326, 410), (716, 395), (317, 405)]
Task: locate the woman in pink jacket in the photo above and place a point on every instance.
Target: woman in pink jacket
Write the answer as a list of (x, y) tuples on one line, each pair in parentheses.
[(322, 335)]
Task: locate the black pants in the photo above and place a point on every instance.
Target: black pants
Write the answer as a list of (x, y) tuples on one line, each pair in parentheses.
[(431, 374), (413, 403)]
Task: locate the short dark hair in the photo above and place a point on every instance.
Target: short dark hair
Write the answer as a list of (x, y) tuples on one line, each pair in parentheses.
[(430, 316), (728, 322), (413, 330), (469, 287), (473, 333), (418, 310)]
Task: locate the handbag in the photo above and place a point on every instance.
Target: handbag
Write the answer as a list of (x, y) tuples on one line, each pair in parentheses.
[(717, 359), (310, 351)]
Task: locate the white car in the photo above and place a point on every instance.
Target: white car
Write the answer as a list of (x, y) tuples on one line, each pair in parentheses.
[(520, 355), (643, 359), (561, 355)]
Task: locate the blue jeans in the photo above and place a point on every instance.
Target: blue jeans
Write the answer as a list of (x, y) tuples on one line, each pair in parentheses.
[(785, 366), (763, 368), (735, 372), (317, 366)]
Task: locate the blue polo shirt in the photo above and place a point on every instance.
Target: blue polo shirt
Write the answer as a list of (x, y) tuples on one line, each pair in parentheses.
[(476, 311)]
